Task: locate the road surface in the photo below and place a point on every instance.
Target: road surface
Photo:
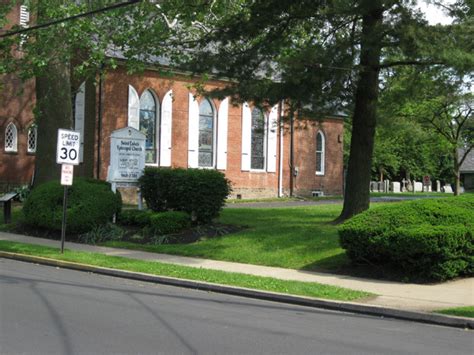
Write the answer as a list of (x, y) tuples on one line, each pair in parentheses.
[(46, 310)]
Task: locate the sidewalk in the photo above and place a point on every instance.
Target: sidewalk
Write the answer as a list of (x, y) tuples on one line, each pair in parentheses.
[(410, 297)]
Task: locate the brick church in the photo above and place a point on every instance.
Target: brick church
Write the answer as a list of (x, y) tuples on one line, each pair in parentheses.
[(260, 153)]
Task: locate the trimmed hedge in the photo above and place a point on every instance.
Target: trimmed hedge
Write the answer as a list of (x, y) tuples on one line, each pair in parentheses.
[(199, 192), (90, 203), (424, 239)]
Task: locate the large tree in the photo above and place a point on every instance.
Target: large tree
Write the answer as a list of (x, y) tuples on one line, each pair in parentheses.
[(320, 56), (66, 49)]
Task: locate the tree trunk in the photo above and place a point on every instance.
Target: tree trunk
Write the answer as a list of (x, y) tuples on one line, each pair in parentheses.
[(356, 198), (53, 95), (54, 109), (457, 173)]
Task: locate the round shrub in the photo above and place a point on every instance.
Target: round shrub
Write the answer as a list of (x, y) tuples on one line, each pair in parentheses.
[(425, 239), (199, 192), (90, 203)]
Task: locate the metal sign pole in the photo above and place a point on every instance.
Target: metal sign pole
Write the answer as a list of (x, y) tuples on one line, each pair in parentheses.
[(63, 227)]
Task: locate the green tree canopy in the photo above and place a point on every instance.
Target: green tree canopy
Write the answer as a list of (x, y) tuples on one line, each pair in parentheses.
[(323, 56)]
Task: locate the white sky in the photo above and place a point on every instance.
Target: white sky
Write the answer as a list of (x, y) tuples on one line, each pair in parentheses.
[(434, 14)]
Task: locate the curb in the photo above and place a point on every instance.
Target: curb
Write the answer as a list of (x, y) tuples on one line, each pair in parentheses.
[(378, 311)]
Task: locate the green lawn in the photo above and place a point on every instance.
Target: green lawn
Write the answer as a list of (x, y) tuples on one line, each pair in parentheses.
[(410, 194), (460, 311), (296, 238), (310, 289)]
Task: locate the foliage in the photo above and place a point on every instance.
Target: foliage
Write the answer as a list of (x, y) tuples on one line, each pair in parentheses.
[(199, 192), (90, 203), (425, 115), (426, 239), (102, 233), (23, 192)]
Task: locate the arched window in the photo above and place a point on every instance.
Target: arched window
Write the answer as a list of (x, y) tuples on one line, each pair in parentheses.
[(11, 138), (32, 137), (320, 153), (206, 134), (148, 126), (257, 161)]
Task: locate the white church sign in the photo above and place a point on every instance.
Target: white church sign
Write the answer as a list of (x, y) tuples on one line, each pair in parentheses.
[(127, 155)]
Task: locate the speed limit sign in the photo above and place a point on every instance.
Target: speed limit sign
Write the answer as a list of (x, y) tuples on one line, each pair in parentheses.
[(69, 143)]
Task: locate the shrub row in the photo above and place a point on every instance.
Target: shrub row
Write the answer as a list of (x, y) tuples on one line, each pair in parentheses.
[(424, 239), (199, 192), (90, 203)]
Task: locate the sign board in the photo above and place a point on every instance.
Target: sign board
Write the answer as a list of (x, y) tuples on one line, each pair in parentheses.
[(67, 174), (69, 144), (127, 155)]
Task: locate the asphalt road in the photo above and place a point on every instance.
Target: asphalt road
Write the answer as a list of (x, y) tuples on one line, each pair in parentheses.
[(45, 310)]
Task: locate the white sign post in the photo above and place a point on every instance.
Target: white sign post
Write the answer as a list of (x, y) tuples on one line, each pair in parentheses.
[(127, 157), (67, 154)]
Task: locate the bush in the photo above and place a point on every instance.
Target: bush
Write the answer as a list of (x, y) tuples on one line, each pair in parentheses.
[(199, 192), (424, 239), (90, 203)]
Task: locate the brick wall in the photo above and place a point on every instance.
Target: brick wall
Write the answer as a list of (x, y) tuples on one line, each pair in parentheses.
[(247, 184), (305, 157)]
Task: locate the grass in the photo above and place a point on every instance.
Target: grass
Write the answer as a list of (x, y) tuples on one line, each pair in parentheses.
[(295, 238), (409, 194), (460, 311), (309, 289)]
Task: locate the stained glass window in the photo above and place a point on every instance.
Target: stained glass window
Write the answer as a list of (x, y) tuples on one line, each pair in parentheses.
[(32, 135), (320, 153), (11, 138), (206, 134), (258, 140), (148, 126)]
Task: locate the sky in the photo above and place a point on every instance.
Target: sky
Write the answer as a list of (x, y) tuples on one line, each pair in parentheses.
[(434, 14)]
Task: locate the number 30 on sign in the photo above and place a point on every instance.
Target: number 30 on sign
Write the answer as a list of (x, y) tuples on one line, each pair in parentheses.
[(69, 143)]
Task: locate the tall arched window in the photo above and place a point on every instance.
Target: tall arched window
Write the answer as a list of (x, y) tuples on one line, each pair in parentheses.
[(148, 126), (32, 137), (320, 153), (257, 161), (11, 138), (206, 134)]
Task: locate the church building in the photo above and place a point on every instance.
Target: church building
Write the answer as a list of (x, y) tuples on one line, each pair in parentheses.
[(262, 154)]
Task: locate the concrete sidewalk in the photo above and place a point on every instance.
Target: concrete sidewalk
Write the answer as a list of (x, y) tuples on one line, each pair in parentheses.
[(411, 297)]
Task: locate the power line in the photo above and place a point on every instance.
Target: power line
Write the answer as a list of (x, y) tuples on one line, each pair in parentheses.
[(71, 18)]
